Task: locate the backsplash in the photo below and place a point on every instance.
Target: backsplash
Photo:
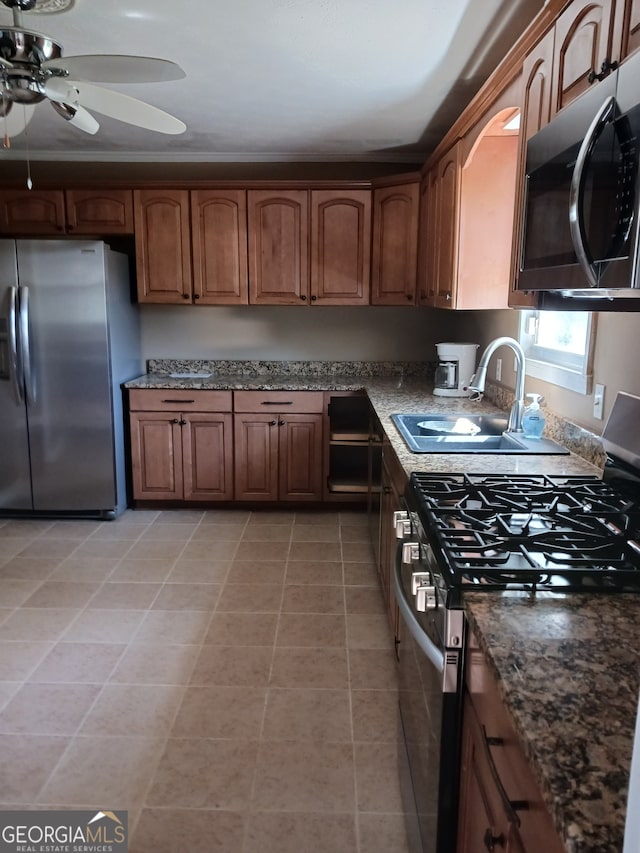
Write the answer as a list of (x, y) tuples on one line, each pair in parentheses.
[(291, 368)]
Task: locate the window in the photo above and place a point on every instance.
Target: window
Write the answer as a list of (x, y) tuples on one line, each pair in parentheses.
[(559, 347)]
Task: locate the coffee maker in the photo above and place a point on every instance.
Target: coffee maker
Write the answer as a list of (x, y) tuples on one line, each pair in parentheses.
[(456, 366)]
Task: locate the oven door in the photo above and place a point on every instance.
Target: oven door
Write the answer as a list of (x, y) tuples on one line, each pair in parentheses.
[(430, 714)]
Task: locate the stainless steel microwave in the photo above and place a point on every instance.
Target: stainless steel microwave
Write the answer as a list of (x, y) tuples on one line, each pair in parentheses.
[(580, 236)]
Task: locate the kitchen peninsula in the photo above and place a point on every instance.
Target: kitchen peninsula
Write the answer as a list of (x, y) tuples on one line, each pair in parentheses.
[(568, 691)]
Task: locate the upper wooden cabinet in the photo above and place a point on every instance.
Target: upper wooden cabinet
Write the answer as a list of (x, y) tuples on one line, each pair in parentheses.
[(340, 247), (467, 210), (584, 36), (278, 247), (395, 244), (94, 212), (537, 79), (630, 26), (25, 212), (439, 231), (99, 212), (219, 245), (163, 245)]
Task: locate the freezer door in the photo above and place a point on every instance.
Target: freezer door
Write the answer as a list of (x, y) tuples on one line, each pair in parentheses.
[(15, 477), (69, 401)]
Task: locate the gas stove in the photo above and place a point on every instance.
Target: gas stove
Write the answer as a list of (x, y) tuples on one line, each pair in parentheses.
[(563, 533)]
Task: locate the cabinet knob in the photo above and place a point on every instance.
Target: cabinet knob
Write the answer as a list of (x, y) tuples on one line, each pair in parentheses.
[(186, 296), (175, 421), (274, 423), (182, 422), (313, 298), (303, 297), (490, 840), (196, 296), (281, 423)]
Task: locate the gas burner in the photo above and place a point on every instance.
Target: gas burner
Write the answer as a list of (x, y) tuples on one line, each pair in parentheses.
[(531, 532)]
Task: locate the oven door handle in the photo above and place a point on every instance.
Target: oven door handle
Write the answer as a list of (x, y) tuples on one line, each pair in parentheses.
[(431, 650)]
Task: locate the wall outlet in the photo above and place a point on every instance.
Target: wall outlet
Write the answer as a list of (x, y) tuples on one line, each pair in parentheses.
[(498, 369), (598, 402)]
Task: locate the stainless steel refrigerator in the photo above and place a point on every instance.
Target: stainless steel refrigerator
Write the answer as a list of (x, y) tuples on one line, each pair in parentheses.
[(69, 336)]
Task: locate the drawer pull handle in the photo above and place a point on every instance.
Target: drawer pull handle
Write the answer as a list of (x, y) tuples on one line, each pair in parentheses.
[(510, 806), (277, 402), (178, 401)]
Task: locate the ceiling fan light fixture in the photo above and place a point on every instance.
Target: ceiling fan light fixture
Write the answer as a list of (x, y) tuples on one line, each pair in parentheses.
[(51, 7), (32, 68)]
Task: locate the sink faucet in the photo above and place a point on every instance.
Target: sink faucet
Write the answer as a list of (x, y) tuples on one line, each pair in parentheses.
[(477, 381)]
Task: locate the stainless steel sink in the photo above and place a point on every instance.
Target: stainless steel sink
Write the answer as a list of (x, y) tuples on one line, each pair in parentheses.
[(465, 433)]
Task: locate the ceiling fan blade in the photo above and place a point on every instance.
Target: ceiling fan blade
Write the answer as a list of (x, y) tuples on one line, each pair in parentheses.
[(15, 119), (113, 104), (108, 68), (4, 63), (76, 116)]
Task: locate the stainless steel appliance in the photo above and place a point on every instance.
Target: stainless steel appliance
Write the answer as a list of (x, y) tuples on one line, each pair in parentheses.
[(488, 533), (69, 336), (456, 366), (580, 236)]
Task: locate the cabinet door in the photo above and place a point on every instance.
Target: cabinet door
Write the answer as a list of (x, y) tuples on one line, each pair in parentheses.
[(390, 502), (300, 462), (482, 822), (340, 247), (219, 242), (156, 456), (32, 212), (99, 212), (537, 82), (627, 30), (163, 245), (428, 239), (256, 457), (395, 245), (448, 209), (582, 43), (278, 247), (207, 457)]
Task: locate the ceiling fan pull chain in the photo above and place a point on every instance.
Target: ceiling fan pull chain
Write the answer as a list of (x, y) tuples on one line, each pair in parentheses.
[(26, 139)]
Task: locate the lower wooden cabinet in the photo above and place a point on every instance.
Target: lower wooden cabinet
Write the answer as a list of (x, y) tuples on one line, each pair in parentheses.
[(180, 454), (278, 441), (501, 806), (391, 499)]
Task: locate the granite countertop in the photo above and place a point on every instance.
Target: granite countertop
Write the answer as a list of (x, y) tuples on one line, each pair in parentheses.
[(568, 668)]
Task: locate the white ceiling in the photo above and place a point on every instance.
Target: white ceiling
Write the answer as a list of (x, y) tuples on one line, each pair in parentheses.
[(281, 80)]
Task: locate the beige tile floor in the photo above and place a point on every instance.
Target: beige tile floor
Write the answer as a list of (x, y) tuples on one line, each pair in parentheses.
[(226, 676)]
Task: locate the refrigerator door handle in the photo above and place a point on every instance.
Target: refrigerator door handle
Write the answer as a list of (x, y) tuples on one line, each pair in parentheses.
[(25, 344), (15, 372)]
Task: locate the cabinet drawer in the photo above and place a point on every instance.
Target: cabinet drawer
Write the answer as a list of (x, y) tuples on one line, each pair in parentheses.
[(179, 400), (278, 401)]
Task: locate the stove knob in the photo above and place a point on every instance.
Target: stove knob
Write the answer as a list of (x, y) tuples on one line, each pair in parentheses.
[(419, 579), (426, 598), (410, 553), (401, 524)]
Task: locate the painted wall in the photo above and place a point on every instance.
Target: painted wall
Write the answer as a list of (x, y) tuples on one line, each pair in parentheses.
[(279, 333), (616, 361)]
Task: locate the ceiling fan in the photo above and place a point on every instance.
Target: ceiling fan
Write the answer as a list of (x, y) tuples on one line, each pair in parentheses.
[(33, 69)]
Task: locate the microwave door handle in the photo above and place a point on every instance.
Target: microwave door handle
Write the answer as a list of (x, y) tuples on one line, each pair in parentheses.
[(605, 114), (431, 650)]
